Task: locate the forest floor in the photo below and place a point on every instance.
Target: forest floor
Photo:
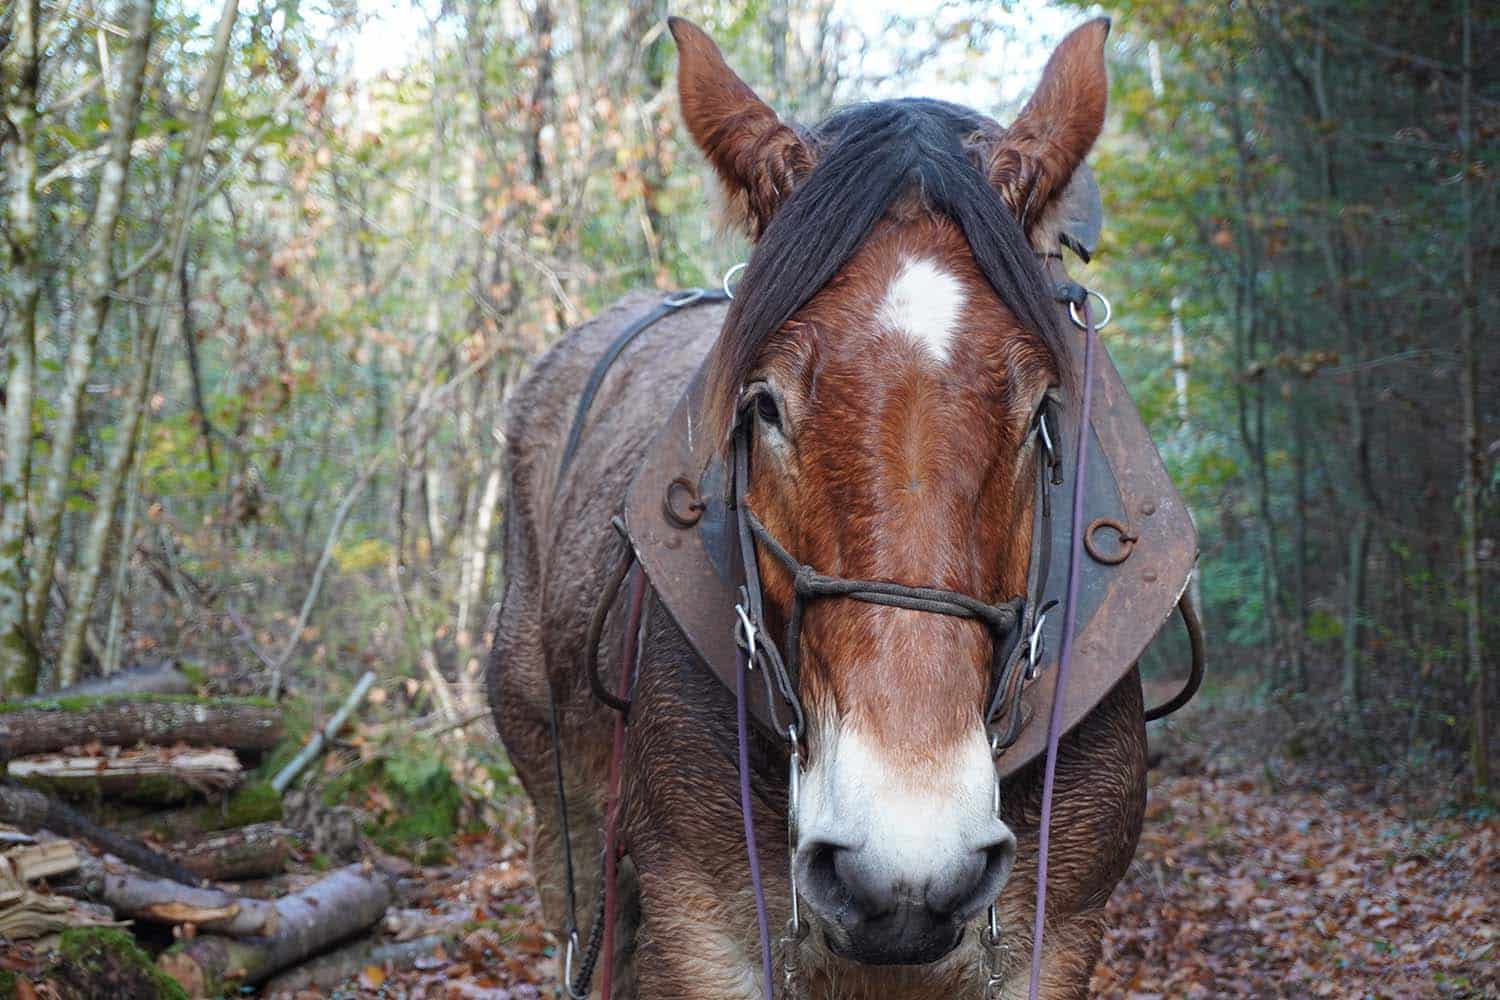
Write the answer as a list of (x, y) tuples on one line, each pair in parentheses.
[(1253, 879)]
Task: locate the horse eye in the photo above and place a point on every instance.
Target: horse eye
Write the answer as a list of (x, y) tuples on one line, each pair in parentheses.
[(767, 410)]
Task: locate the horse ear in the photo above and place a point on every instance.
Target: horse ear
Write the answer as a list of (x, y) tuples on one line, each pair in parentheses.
[(758, 158), (1036, 157)]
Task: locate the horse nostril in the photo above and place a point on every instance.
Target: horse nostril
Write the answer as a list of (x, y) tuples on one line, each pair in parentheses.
[(978, 883), (1000, 857), (820, 874)]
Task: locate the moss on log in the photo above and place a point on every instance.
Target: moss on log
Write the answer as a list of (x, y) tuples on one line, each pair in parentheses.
[(94, 962), (252, 802), (126, 721)]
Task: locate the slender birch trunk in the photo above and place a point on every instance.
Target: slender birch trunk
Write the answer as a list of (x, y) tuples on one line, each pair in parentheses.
[(86, 584), (477, 555), (124, 117), (21, 65), (1469, 340), (120, 588)]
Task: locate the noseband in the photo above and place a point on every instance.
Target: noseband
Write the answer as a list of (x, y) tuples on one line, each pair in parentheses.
[(1012, 662)]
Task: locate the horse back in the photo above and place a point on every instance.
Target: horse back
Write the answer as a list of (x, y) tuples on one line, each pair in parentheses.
[(559, 546)]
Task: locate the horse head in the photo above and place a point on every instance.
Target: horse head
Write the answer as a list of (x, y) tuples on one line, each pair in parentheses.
[(890, 345)]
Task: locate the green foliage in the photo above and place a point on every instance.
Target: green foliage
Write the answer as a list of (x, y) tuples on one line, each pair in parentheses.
[(416, 804), (252, 802)]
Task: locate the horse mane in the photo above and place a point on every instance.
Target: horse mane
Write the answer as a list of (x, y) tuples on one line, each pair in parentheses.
[(868, 156)]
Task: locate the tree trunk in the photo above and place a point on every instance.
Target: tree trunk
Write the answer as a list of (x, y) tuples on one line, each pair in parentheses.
[(1469, 340), (476, 561), (31, 811), (324, 973), (252, 802), (151, 775), (132, 893), (124, 117), (162, 678), (120, 590), (21, 65), (91, 560), (339, 906), (1298, 638), (112, 722), (1354, 597), (256, 851)]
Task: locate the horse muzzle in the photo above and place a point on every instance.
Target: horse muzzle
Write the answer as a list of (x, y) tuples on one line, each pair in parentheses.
[(895, 869), (876, 916)]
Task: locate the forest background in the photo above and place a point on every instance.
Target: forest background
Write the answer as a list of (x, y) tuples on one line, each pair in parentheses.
[(272, 267)]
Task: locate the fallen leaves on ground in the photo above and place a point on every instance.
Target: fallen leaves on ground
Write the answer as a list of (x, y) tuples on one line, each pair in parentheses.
[(485, 903), (1258, 884), (1259, 880)]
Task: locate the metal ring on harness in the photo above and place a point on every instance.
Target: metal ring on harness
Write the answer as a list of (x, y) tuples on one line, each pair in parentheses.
[(1078, 320), (1127, 541), (686, 297), (692, 513), (729, 276), (568, 967)]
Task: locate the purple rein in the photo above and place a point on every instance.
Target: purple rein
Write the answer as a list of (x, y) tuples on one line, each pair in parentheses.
[(1065, 655), (746, 811)]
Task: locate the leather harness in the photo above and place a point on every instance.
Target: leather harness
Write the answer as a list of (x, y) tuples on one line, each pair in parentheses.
[(695, 543)]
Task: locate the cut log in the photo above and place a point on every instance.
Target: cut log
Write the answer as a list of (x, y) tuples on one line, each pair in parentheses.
[(324, 973), (254, 851), (156, 775), (31, 811), (324, 913), (38, 861), (252, 802), (63, 723), (34, 915), (158, 678), (28, 914), (132, 893)]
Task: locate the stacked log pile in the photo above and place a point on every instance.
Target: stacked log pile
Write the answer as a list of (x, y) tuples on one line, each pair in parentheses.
[(127, 807)]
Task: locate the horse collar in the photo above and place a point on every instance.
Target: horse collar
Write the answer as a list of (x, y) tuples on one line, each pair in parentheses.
[(697, 543)]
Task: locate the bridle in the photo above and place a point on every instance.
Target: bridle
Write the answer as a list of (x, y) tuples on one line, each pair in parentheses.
[(1015, 627), (1014, 662)]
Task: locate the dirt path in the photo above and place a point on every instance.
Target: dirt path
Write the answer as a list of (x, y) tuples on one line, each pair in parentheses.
[(1244, 886), (1268, 881)]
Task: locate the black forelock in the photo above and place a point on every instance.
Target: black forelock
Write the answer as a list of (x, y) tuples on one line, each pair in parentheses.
[(867, 156)]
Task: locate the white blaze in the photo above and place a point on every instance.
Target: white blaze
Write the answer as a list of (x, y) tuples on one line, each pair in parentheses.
[(924, 303)]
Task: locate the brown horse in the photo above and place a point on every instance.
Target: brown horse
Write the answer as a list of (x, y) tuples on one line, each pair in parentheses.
[(896, 336)]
